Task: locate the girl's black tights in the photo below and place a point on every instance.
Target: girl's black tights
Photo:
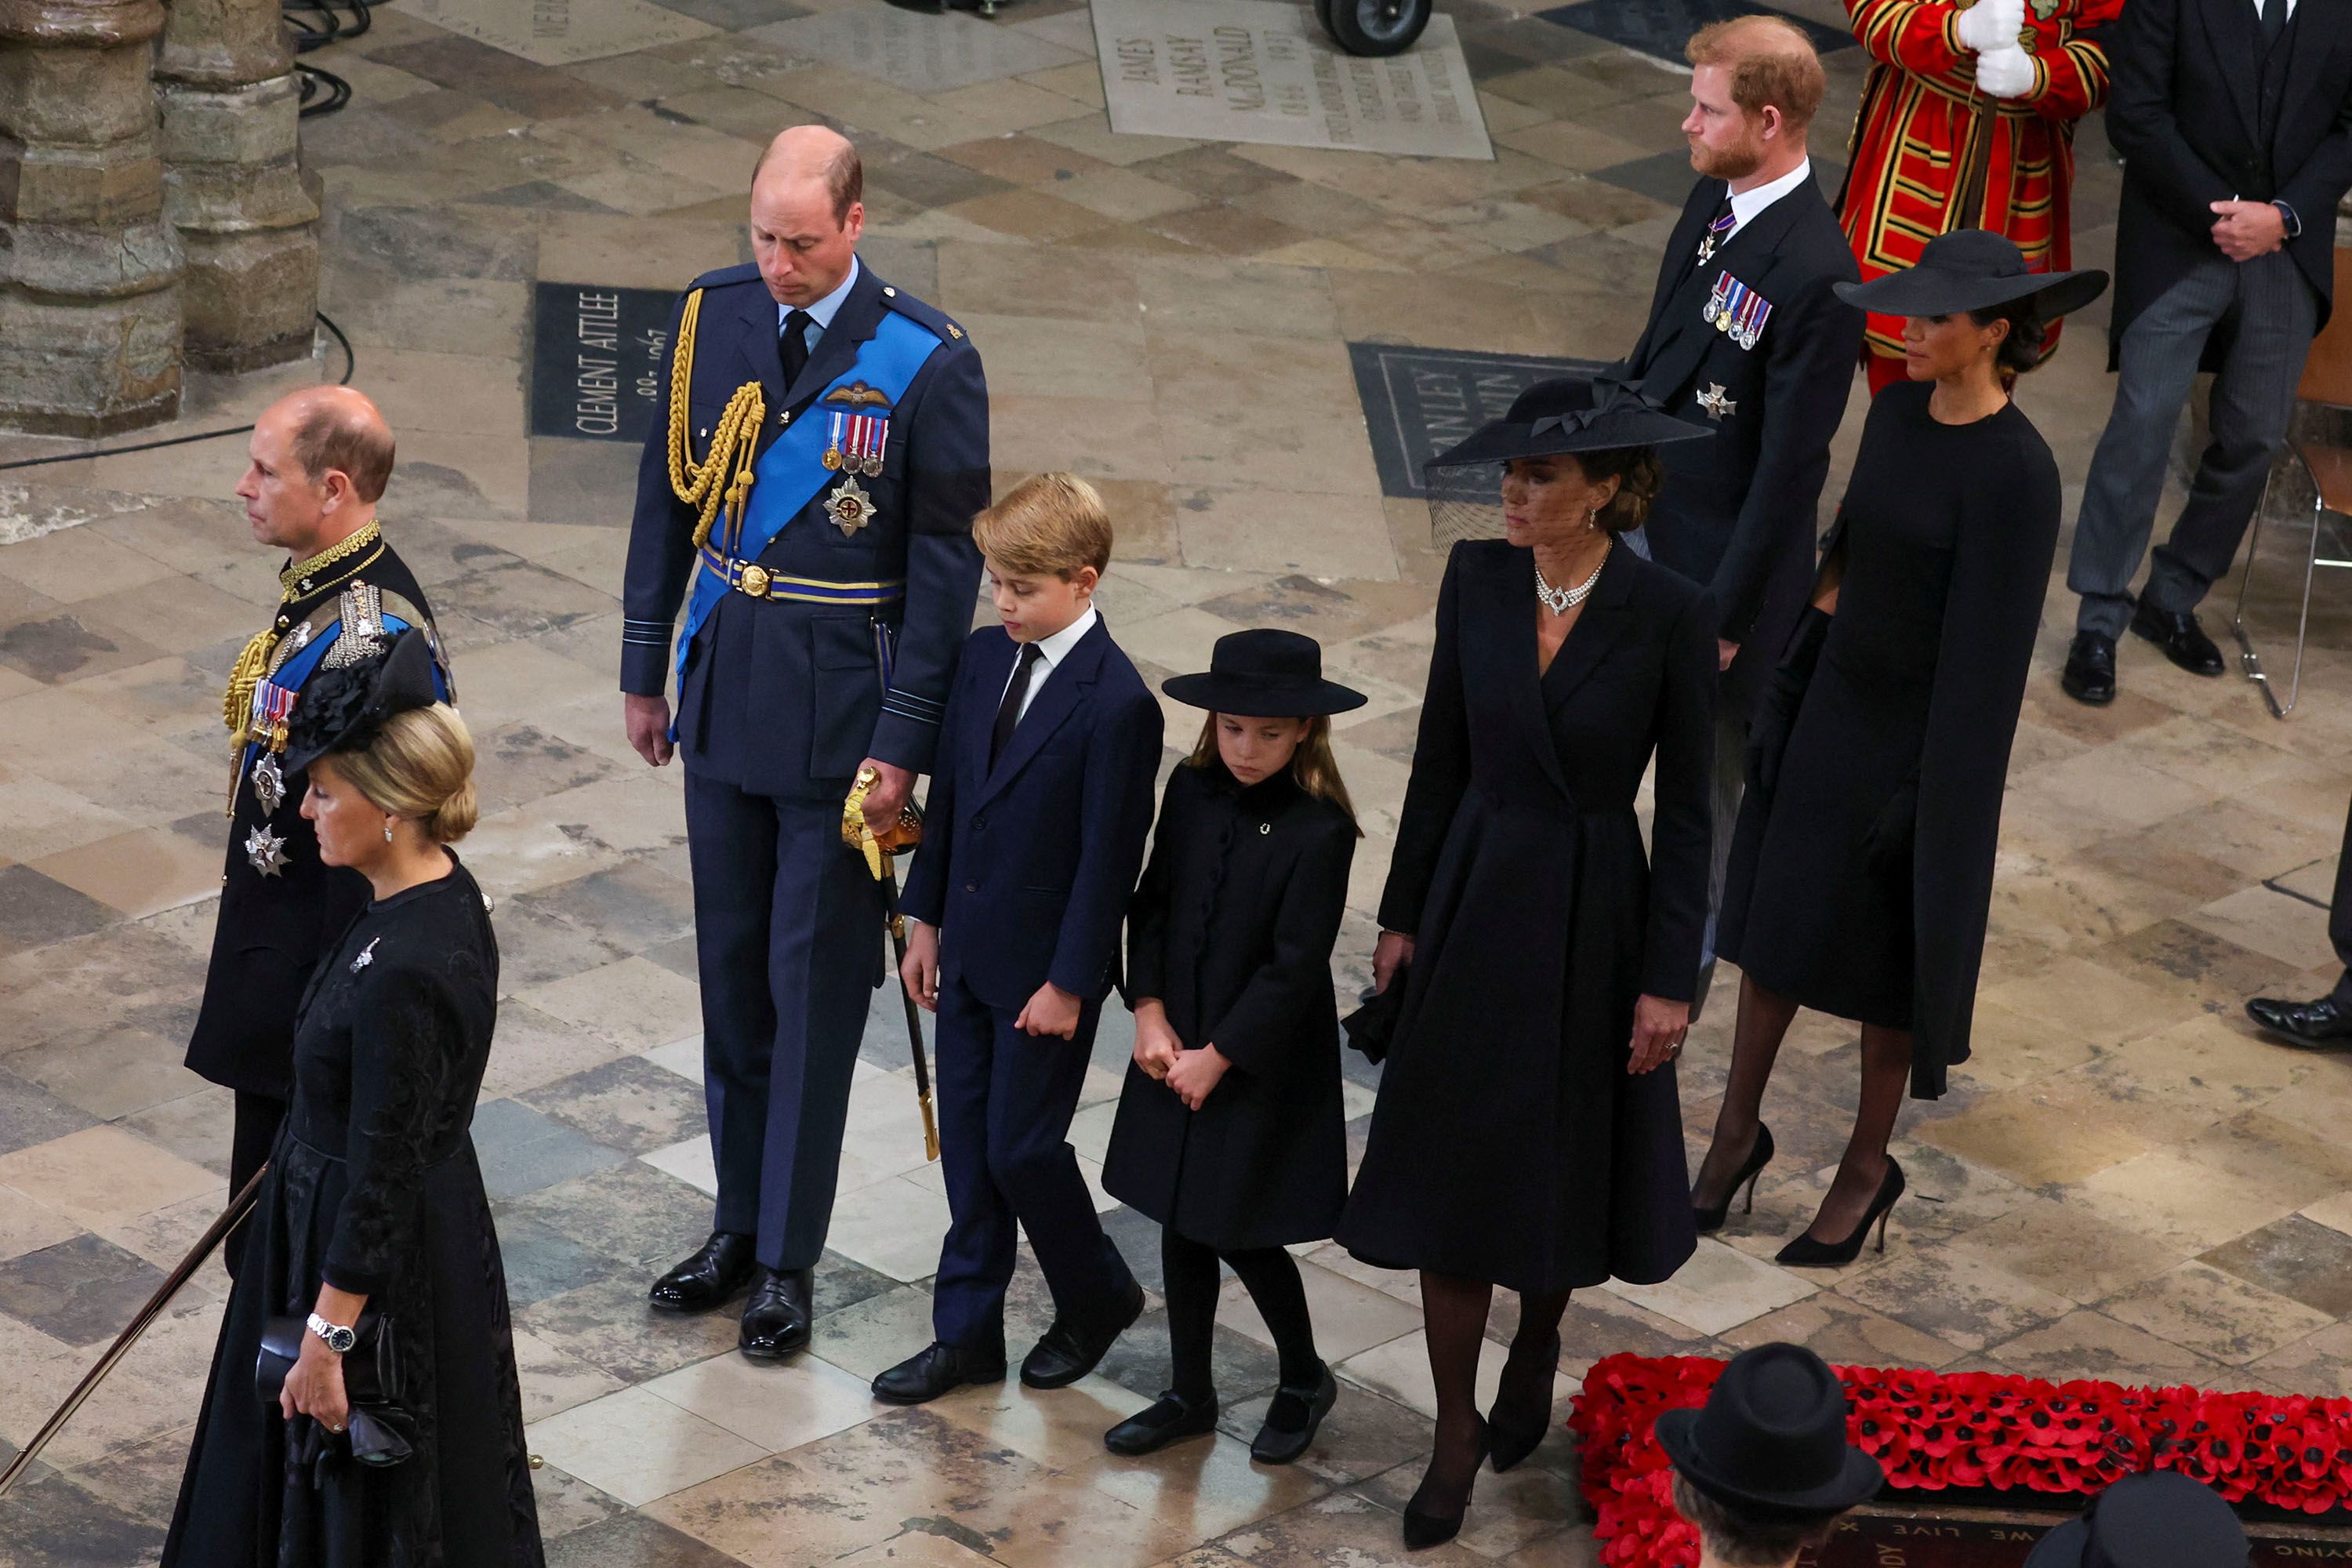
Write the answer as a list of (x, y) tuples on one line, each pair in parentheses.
[(1190, 1286)]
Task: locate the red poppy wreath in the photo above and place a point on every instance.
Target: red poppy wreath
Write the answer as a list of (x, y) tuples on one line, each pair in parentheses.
[(1970, 1433)]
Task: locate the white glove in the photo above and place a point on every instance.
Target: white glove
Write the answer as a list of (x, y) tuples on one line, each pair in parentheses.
[(1991, 24), (2005, 73)]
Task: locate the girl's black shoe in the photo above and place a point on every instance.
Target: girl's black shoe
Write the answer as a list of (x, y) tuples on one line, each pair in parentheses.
[(1302, 1411), (1710, 1220), (1153, 1428), (1514, 1440), (1424, 1525), (1806, 1253)]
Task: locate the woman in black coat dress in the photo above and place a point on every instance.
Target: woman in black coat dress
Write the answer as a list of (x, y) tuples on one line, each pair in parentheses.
[(371, 1220), (1527, 1131), (1861, 871)]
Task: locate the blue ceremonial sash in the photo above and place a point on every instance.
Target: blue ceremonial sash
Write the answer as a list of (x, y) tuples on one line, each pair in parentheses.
[(290, 675), (791, 471)]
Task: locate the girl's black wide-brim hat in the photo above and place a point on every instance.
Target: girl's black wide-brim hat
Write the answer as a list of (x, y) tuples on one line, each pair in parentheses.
[(1570, 415), (344, 709), (1973, 269), (1265, 673)]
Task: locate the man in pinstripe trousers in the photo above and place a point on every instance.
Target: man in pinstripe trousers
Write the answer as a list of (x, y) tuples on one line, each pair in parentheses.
[(2234, 119)]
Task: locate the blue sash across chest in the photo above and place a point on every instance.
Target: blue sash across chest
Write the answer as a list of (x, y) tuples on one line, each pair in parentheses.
[(273, 696), (791, 471)]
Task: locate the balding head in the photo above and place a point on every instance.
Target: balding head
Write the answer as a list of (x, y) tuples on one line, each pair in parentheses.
[(807, 212), (320, 459)]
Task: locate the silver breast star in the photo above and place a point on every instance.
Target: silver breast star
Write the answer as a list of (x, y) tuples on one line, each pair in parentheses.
[(266, 850), (1716, 404), (268, 784)]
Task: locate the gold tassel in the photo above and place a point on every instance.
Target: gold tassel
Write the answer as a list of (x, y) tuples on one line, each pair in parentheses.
[(734, 441), (237, 702)]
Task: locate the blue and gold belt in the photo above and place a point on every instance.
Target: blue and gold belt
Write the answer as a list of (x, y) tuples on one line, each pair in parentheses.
[(759, 582)]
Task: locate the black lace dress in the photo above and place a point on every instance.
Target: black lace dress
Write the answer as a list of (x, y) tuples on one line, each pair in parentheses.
[(374, 1187)]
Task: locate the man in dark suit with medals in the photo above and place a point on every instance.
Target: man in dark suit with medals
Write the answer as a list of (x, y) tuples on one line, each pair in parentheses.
[(808, 493), (2234, 119), (318, 462), (1745, 336)]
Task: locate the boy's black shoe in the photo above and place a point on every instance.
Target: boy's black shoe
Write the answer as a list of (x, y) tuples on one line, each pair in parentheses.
[(1150, 1430), (1067, 1353), (941, 1369)]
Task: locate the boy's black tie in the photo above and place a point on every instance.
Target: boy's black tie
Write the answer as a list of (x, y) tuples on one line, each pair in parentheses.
[(1008, 712)]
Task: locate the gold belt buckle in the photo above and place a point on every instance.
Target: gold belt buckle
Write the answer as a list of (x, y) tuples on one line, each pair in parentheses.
[(753, 581)]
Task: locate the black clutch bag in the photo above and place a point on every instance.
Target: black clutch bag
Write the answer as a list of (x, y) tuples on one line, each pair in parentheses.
[(1371, 1027), (378, 1426)]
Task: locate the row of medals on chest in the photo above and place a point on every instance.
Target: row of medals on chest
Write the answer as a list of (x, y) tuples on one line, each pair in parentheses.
[(273, 708)]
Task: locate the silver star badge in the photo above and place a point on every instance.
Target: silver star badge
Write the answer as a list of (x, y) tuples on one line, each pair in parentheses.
[(366, 955), (266, 850), (1716, 404), (268, 784)]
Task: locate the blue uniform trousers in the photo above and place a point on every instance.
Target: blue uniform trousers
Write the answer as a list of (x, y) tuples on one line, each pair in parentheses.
[(1005, 1099), (788, 933)]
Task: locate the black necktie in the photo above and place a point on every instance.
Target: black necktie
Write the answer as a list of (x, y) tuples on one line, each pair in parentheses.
[(2273, 23), (1008, 712), (794, 344)]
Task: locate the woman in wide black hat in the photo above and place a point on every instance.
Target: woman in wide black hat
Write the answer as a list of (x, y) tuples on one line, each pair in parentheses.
[(1763, 1469), (394, 1438), (1528, 1133), (1861, 871), (1230, 1131)]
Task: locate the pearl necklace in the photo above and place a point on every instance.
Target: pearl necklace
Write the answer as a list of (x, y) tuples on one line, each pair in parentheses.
[(1559, 601)]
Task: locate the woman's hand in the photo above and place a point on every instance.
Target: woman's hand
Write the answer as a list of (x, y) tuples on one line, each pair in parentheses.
[(1196, 1073), (1659, 1026), (315, 1386), (1156, 1044), (1391, 953)]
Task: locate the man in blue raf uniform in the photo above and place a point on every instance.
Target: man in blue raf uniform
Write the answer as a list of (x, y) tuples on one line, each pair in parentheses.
[(809, 493)]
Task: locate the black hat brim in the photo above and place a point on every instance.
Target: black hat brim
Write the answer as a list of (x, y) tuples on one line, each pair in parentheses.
[(1939, 291), (1270, 699), (2062, 1548), (1857, 1480), (1505, 439), (342, 710)]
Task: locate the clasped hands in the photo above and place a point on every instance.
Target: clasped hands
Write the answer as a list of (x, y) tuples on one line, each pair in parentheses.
[(1192, 1074), (1993, 29), (1659, 1026), (2245, 230)]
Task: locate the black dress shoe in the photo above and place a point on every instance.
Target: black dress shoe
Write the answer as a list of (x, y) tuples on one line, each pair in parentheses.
[(1153, 1428), (2320, 1023), (941, 1369), (1069, 1350), (1293, 1419), (715, 1272), (2184, 642), (776, 1318), (2090, 673)]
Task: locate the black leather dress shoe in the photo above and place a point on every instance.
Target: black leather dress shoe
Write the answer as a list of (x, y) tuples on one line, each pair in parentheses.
[(776, 1318), (2090, 673), (1068, 1351), (2184, 642), (1153, 1428), (716, 1271), (941, 1369), (2320, 1023)]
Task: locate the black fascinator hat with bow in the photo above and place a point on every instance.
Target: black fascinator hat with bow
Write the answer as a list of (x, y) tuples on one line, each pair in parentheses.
[(344, 709), (1570, 415)]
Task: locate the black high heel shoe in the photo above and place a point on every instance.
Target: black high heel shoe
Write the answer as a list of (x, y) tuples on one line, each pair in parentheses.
[(1425, 1527), (1510, 1443), (1806, 1253), (1759, 1155)]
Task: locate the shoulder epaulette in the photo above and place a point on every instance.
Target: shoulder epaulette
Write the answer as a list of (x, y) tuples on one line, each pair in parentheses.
[(742, 272), (929, 317)]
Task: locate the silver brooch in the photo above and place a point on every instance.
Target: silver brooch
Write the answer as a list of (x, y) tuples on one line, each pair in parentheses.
[(268, 784), (366, 955), (266, 850)]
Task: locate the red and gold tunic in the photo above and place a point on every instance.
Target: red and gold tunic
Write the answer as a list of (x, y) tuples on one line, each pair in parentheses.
[(1920, 115)]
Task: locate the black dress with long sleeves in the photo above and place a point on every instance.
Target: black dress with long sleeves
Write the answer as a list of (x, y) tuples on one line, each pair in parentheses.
[(374, 1188), (1232, 929), (1509, 1143), (1860, 883)]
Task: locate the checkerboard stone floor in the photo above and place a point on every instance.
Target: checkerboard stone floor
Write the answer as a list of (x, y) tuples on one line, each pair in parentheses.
[(2125, 1182)]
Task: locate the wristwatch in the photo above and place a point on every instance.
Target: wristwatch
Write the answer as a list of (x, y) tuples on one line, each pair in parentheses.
[(2294, 219), (337, 1338)]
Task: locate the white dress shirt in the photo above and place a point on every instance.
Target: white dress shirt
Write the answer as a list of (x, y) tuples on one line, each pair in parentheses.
[(1052, 651), (823, 310), (1746, 204)]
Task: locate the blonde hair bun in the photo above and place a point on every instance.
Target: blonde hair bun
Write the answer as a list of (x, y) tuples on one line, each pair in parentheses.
[(420, 766)]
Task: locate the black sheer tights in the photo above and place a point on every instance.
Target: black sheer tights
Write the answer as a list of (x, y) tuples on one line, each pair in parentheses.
[(1453, 1312), (1190, 1283)]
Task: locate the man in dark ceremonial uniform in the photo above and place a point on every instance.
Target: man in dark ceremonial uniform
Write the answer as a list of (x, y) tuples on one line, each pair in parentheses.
[(1745, 335), (318, 462), (809, 493)]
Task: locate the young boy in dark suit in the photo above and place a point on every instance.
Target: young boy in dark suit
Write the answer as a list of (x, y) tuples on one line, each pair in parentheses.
[(1034, 836)]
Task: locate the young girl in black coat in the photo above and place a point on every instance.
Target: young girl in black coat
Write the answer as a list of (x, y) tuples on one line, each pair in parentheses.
[(1230, 1131)]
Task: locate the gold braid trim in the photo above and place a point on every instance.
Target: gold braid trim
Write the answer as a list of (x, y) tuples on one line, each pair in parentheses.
[(734, 441), (289, 580), (253, 662)]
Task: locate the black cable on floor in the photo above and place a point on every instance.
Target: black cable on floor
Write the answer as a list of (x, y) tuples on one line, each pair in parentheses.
[(330, 91), (350, 364)]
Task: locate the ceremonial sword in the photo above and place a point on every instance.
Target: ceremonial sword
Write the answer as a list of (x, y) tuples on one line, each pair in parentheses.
[(902, 836)]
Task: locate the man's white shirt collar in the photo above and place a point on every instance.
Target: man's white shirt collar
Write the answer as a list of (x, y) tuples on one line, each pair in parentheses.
[(825, 310), (1747, 204)]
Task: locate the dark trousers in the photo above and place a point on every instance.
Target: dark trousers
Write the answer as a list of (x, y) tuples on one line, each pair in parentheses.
[(253, 1133), (1729, 786), (2268, 313), (1005, 1099), (1190, 1282), (2339, 918), (788, 933)]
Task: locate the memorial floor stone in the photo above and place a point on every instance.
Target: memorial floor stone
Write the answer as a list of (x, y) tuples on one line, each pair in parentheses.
[(560, 32), (1418, 402), (917, 54)]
